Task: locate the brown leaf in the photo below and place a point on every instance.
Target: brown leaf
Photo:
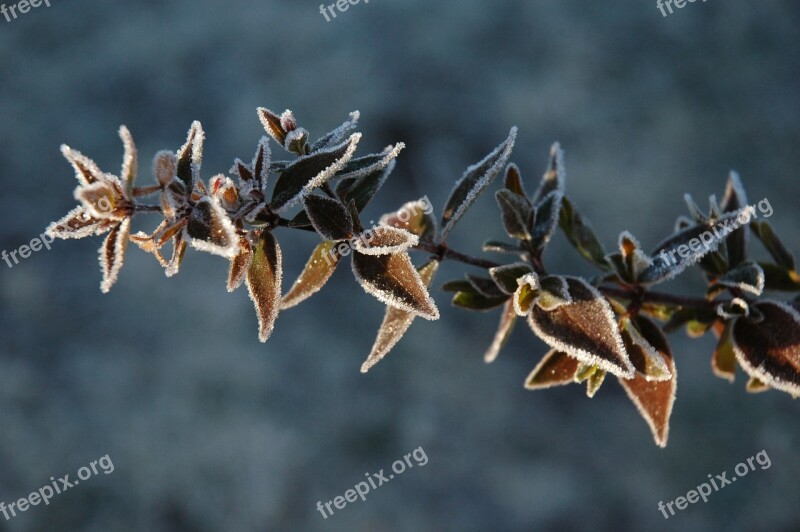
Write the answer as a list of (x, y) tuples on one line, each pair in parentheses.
[(415, 217), (190, 156), (112, 254), (647, 360), (240, 264), (507, 321), (329, 217), (264, 283), (86, 171), (209, 229), (272, 123), (77, 224), (769, 350), (654, 399), (584, 328), (318, 270), (385, 240), (396, 322), (393, 280), (555, 369)]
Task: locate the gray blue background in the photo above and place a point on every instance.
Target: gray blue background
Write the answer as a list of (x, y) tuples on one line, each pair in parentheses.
[(210, 430)]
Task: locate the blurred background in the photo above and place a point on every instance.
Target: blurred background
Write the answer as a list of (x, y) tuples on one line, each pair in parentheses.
[(210, 430)]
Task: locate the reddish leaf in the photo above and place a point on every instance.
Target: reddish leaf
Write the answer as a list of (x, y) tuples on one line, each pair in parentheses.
[(264, 283), (240, 264), (555, 369), (318, 270), (112, 254)]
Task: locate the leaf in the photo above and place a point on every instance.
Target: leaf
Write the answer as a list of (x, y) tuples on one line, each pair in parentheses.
[(264, 283), (554, 178), (190, 156), (311, 171), (112, 254), (396, 322), (513, 181), (336, 136), (747, 276), (735, 198), (555, 369), (165, 167), (646, 359), (508, 319), (783, 257), (370, 164), (77, 224), (415, 217), (526, 294), (329, 217), (594, 382), (475, 179), (517, 214), (393, 280), (458, 285), (506, 276), (384, 240), (756, 386), (362, 189), (472, 300), (580, 234), (209, 229), (690, 245), (654, 399), (485, 286), (769, 350), (272, 123), (584, 328), (633, 257), (86, 170), (129, 161), (502, 247), (553, 293), (240, 264), (723, 362), (546, 219), (318, 270), (779, 278), (686, 315)]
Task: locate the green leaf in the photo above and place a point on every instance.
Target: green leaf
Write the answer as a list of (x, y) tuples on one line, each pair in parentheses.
[(190, 155), (723, 362), (485, 286), (474, 181), (318, 270), (553, 293), (506, 276), (476, 301), (580, 234), (264, 283)]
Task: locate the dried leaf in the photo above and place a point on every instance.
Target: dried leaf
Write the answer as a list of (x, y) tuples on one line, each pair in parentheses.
[(553, 293), (112, 254), (415, 217), (555, 369), (86, 171), (769, 350), (329, 217), (77, 224), (272, 123), (393, 280), (318, 270), (240, 265), (476, 178), (129, 161), (311, 171), (585, 328), (507, 321), (396, 322), (264, 283)]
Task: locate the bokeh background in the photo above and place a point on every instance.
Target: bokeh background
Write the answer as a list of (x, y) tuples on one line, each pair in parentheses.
[(210, 430)]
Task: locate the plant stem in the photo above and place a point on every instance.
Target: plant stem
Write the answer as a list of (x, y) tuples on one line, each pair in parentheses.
[(658, 298), (444, 252)]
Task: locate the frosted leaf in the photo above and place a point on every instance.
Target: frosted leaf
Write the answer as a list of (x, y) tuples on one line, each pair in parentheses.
[(272, 123), (165, 167), (311, 171), (554, 292), (496, 246), (296, 141), (240, 265), (647, 360), (586, 329), (264, 283), (112, 254), (209, 229), (554, 178), (747, 276), (635, 259), (288, 121), (735, 198), (329, 217), (190, 156), (415, 217), (129, 161), (513, 180), (393, 280), (527, 293), (363, 166), (396, 322), (318, 270), (555, 369), (507, 321), (517, 214), (77, 224), (755, 385), (783, 257), (361, 190), (654, 399), (485, 286), (384, 240), (733, 309), (546, 219), (475, 179), (337, 135), (178, 252), (675, 254), (99, 200), (506, 276), (594, 382), (769, 350), (86, 171), (694, 211), (580, 234)]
